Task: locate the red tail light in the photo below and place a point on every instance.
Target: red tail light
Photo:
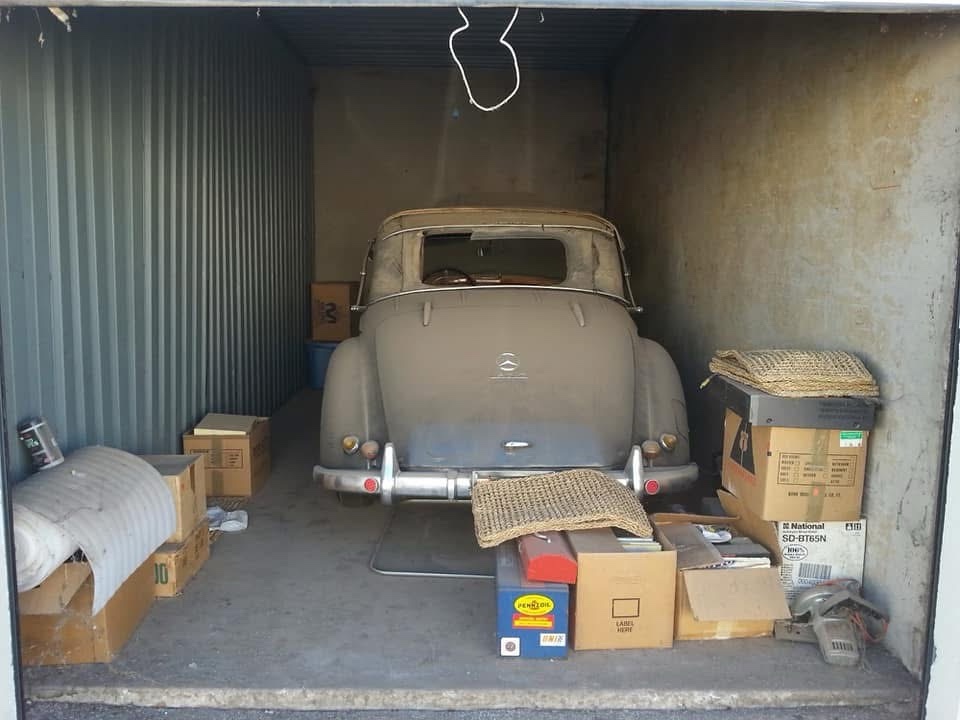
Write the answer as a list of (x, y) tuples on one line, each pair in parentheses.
[(371, 485), (651, 486)]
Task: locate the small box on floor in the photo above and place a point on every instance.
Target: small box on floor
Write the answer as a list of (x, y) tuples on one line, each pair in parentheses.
[(814, 552), (60, 630), (531, 616), (237, 448), (731, 602), (625, 594), (175, 565), (330, 315), (185, 475), (787, 473)]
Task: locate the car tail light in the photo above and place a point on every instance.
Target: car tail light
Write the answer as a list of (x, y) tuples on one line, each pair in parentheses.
[(651, 486), (668, 441), (370, 449), (371, 485), (650, 449)]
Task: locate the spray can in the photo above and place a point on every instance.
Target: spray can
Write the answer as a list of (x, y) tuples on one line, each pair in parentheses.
[(38, 438)]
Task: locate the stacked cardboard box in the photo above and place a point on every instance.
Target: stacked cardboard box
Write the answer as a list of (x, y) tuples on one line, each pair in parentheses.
[(57, 626), (800, 464), (330, 315), (793, 472), (174, 565), (620, 598), (186, 476), (188, 548)]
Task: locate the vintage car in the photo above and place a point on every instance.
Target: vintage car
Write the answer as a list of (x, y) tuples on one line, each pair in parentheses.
[(498, 343)]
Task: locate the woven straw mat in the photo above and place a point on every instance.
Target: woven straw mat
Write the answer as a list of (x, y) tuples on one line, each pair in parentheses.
[(507, 508), (797, 373)]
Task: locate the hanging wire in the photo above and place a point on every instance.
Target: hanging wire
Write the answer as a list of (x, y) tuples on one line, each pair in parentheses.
[(41, 39), (463, 73)]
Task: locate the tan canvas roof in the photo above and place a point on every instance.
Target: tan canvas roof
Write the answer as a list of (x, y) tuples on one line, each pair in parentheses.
[(592, 254), (467, 216)]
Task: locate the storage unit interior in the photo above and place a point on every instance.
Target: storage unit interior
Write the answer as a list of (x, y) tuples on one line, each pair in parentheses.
[(172, 179)]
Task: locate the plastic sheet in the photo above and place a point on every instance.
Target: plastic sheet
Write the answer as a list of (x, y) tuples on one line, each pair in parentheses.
[(112, 505)]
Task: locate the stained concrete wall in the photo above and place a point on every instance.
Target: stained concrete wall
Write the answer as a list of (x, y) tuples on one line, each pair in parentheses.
[(792, 181), (389, 140)]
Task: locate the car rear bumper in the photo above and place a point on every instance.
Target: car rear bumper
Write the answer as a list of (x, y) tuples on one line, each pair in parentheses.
[(393, 484)]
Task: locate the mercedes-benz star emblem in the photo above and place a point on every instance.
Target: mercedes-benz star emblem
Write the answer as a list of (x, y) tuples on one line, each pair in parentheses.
[(508, 367), (507, 362)]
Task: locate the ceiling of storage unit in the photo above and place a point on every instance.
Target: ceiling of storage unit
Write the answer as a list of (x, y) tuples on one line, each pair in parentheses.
[(417, 37)]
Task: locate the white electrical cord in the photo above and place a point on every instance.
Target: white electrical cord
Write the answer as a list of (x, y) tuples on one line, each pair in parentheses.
[(508, 46)]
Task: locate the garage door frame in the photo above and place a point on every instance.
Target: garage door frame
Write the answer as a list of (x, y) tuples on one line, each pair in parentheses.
[(852, 6), (943, 699)]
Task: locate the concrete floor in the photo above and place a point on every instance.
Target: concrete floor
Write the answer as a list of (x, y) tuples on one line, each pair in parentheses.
[(287, 616)]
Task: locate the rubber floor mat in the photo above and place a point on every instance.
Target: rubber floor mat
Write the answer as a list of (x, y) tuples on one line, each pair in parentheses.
[(431, 539)]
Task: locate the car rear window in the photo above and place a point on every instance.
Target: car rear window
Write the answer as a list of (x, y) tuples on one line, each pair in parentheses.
[(471, 258)]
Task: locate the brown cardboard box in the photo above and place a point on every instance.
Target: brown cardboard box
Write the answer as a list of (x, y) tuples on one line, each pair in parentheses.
[(721, 604), (330, 310), (622, 599), (175, 565), (72, 635), (237, 465), (795, 474), (186, 477), (54, 594)]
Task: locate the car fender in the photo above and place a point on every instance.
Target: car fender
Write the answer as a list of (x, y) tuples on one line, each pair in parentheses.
[(659, 405), (351, 403)]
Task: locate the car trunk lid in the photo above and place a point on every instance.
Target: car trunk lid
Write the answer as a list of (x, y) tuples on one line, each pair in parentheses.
[(506, 378)]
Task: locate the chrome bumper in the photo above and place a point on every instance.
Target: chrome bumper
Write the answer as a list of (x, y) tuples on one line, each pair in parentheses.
[(393, 484)]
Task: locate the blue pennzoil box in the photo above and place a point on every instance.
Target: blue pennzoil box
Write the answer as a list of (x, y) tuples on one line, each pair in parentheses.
[(531, 616)]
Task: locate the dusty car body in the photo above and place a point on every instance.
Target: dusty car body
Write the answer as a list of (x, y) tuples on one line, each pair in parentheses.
[(495, 343)]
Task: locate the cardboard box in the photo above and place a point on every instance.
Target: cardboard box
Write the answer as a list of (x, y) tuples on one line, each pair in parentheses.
[(54, 594), (330, 310), (175, 565), (816, 552), (223, 424), (71, 635), (800, 474), (532, 616), (237, 465), (717, 604), (622, 599), (186, 477)]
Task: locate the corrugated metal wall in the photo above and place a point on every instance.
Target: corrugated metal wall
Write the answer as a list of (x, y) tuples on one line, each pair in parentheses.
[(154, 223)]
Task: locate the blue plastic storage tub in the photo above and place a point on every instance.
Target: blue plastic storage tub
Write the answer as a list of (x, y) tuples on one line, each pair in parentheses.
[(318, 357)]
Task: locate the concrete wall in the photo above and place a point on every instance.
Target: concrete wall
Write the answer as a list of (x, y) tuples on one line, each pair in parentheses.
[(792, 181), (392, 140)]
